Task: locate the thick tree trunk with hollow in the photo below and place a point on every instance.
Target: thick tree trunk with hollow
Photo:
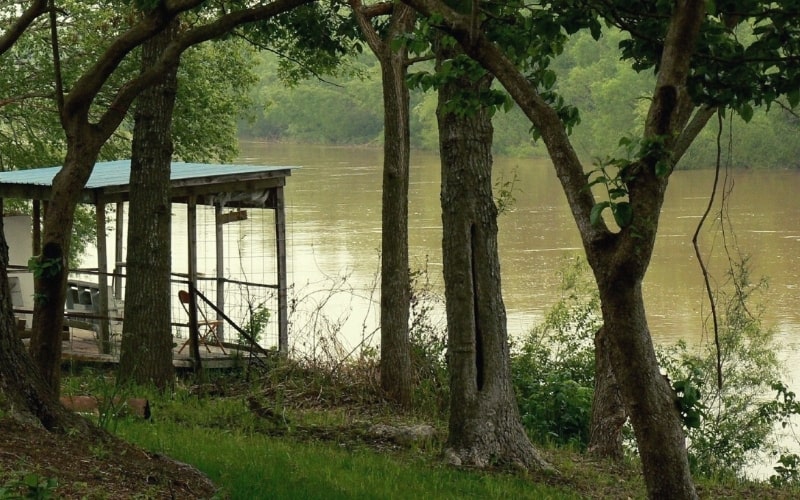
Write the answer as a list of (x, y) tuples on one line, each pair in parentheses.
[(484, 425), (146, 352)]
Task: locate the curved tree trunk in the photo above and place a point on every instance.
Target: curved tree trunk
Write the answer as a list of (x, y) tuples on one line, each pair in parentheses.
[(146, 352), (608, 412), (649, 398), (484, 425), (50, 286)]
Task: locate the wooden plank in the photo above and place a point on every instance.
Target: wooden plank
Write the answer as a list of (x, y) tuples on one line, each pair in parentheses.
[(228, 217)]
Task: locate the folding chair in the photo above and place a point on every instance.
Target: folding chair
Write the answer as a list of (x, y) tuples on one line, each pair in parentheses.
[(206, 328)]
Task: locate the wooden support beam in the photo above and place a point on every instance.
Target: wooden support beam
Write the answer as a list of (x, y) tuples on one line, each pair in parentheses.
[(37, 228), (191, 231), (102, 278), (118, 255), (236, 216), (280, 246), (220, 241)]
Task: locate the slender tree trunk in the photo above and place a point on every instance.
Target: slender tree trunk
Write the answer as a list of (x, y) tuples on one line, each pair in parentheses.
[(146, 355), (395, 364), (484, 422), (396, 378), (608, 412)]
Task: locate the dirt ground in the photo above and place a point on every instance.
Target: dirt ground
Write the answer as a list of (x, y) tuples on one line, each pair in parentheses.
[(103, 469)]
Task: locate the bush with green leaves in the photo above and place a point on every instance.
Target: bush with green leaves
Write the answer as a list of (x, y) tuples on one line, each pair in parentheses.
[(731, 426), (553, 367)]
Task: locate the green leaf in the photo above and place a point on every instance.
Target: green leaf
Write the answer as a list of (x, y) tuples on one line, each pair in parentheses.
[(597, 210), (623, 214), (616, 193), (662, 168), (794, 98), (711, 7), (746, 112)]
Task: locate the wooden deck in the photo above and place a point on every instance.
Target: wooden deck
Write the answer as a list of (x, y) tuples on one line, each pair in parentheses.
[(82, 346)]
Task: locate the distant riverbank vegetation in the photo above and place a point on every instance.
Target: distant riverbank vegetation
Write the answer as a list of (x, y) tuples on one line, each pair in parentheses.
[(346, 109)]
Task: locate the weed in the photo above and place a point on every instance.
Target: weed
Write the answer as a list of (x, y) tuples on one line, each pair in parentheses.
[(31, 486)]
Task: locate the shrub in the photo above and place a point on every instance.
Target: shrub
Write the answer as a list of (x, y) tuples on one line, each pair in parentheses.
[(553, 368), (737, 420)]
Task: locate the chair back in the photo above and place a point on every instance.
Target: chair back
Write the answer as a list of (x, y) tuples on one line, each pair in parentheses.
[(183, 297)]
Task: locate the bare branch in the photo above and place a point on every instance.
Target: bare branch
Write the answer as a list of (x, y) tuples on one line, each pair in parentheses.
[(19, 98)]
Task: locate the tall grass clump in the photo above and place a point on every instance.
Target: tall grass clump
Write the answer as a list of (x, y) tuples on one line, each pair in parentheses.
[(553, 366)]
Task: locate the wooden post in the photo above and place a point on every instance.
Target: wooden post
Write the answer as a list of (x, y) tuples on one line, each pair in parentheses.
[(280, 245), (37, 227), (220, 268), (194, 341), (102, 278), (118, 269)]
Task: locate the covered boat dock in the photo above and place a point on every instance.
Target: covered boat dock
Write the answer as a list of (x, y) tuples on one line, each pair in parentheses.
[(223, 187)]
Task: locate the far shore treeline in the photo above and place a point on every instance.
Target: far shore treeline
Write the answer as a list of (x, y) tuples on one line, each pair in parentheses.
[(347, 110)]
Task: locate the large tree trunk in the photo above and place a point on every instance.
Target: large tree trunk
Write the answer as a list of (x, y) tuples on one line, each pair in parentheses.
[(395, 364), (146, 355), (24, 393), (484, 422)]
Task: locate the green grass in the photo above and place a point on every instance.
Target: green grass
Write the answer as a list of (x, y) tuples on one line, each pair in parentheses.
[(251, 465)]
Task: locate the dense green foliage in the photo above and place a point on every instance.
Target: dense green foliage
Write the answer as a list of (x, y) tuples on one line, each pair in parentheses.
[(553, 366), (591, 76), (729, 429)]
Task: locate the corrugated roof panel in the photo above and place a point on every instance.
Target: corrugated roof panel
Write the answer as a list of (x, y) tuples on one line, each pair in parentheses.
[(117, 173)]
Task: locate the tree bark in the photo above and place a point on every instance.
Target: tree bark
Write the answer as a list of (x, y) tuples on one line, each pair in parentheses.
[(24, 393), (50, 286), (648, 396), (484, 425), (395, 363), (146, 351), (608, 411)]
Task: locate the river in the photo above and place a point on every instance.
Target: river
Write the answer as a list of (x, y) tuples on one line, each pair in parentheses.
[(333, 218)]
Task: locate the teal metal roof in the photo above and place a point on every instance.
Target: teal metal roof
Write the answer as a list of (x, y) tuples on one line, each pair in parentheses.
[(111, 179)]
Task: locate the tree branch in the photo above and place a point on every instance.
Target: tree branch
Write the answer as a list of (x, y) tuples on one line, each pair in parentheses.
[(171, 56), (567, 165), (690, 132), (77, 102), (367, 29), (17, 28)]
